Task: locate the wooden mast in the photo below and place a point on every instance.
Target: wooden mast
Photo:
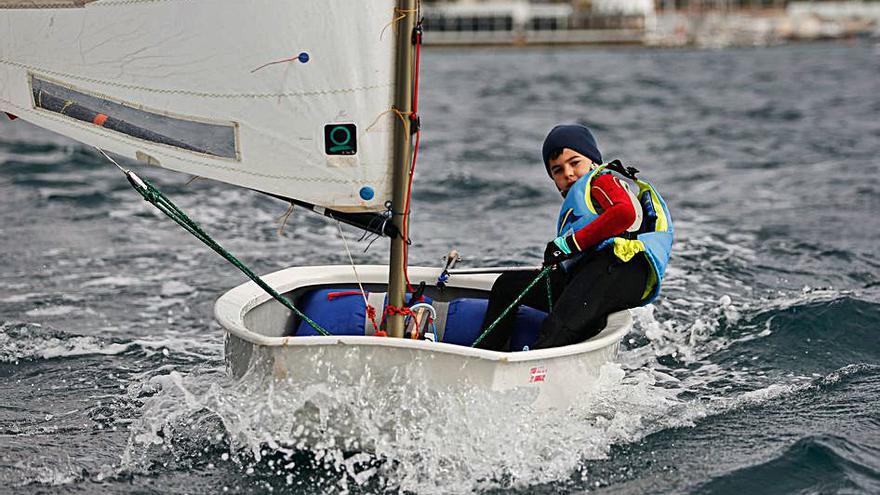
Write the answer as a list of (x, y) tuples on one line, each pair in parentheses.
[(402, 158)]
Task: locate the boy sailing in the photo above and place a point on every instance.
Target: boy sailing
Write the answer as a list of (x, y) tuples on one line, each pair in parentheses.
[(610, 252)]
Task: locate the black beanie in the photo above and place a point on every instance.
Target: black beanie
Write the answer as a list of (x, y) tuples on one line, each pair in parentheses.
[(574, 137)]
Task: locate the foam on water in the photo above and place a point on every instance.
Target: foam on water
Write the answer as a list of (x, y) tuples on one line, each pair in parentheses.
[(417, 441), (20, 341), (29, 341), (457, 443), (52, 310)]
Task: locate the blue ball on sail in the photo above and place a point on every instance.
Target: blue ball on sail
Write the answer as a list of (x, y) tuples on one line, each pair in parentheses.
[(303, 57), (367, 193)]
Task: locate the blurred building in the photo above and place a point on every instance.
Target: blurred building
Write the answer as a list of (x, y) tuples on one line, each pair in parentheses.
[(536, 22), (655, 22)]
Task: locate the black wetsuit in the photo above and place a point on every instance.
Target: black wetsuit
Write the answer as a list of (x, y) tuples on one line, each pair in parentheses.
[(583, 297)]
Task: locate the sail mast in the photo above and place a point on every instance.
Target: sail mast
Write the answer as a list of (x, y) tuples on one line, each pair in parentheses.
[(402, 160)]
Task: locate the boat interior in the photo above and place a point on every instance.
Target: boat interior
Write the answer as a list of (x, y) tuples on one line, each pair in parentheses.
[(451, 314)]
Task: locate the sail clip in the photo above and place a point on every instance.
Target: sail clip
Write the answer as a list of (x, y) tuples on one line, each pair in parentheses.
[(417, 34)]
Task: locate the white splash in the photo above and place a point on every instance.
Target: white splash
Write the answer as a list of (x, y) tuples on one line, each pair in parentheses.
[(33, 341), (429, 442)]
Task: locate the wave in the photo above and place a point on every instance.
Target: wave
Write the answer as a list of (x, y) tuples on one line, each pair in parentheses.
[(813, 464), (745, 431), (809, 337)]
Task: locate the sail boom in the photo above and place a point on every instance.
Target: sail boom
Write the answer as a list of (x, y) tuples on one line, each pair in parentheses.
[(375, 223)]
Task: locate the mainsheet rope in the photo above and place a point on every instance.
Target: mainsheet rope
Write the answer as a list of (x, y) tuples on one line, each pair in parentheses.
[(166, 206)]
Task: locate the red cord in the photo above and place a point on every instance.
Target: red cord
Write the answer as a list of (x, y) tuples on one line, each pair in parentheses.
[(394, 310), (333, 295), (414, 115), (371, 314), (371, 311)]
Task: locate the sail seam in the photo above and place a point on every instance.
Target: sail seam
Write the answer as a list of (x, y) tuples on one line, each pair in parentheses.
[(322, 92), (160, 152)]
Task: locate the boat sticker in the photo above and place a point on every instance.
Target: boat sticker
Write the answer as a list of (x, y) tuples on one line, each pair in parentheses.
[(538, 374), (340, 139)]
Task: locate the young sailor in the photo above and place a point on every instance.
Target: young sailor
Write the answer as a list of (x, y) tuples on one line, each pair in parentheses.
[(610, 252)]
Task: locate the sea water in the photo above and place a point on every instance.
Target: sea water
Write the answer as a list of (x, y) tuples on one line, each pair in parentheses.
[(757, 371)]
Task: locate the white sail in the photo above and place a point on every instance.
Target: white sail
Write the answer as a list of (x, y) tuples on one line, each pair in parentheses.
[(191, 86)]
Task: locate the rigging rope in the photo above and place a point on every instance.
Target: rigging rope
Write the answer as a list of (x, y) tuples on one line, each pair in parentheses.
[(544, 273), (282, 220), (371, 311), (163, 204)]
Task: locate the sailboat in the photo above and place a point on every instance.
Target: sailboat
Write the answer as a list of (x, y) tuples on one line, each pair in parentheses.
[(312, 102)]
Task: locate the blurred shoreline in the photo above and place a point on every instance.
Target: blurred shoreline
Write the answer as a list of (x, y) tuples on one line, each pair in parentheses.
[(715, 25)]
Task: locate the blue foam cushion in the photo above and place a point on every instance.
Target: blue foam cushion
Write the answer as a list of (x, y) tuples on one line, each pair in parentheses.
[(525, 327), (342, 315), (465, 318)]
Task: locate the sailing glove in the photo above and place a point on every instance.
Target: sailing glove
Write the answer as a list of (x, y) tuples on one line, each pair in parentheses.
[(559, 249)]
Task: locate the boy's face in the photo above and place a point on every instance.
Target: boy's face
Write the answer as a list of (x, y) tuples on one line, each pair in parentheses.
[(567, 168)]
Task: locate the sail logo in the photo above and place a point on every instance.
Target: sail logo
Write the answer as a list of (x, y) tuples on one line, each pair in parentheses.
[(340, 139), (537, 374)]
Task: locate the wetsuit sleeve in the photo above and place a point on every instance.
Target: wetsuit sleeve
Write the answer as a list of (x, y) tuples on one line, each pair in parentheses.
[(617, 214)]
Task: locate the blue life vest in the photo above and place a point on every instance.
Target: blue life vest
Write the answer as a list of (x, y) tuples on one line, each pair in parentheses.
[(654, 236)]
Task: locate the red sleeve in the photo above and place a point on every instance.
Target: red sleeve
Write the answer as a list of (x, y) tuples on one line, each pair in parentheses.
[(617, 212)]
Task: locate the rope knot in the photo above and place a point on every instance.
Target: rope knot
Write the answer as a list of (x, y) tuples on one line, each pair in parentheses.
[(371, 314), (395, 311)]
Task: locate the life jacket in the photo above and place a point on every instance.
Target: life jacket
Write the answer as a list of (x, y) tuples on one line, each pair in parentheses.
[(653, 237)]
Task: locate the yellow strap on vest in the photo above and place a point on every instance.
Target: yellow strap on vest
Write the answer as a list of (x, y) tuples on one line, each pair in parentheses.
[(626, 249), (589, 187), (564, 221)]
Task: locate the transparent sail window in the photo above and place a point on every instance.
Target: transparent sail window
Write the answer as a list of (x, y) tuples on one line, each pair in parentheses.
[(189, 134)]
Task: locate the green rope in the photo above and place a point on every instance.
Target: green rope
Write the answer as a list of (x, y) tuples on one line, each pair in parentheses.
[(154, 196), (549, 295), (544, 273)]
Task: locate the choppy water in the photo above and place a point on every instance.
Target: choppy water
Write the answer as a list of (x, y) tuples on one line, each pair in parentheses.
[(758, 371)]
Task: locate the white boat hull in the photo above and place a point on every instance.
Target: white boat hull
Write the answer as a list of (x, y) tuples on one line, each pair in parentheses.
[(255, 326)]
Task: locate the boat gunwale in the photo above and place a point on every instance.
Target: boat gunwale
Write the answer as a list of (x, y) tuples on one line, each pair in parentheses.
[(247, 296)]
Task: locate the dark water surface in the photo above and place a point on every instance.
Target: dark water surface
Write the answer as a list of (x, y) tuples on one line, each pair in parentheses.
[(758, 370)]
